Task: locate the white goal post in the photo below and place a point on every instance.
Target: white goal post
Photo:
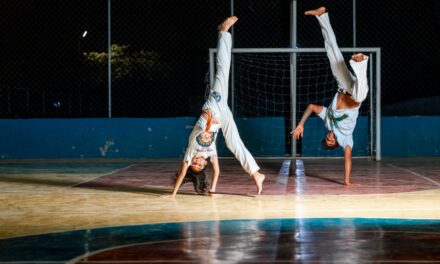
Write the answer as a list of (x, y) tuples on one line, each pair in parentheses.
[(304, 75)]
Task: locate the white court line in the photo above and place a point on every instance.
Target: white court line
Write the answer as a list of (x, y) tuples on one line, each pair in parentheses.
[(106, 174), (415, 173), (300, 171), (301, 179), (283, 174), (93, 253)]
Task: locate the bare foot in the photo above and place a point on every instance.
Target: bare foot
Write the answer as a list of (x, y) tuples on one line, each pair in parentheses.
[(214, 194), (352, 184), (315, 12), (258, 179), (168, 196), (358, 57), (227, 24)]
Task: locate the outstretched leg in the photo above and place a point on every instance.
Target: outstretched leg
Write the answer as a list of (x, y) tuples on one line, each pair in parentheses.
[(219, 93), (237, 147), (337, 63), (219, 89)]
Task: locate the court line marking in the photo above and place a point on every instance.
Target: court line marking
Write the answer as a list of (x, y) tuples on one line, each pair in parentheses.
[(283, 174), (212, 257), (106, 174), (300, 169), (141, 212), (414, 173), (300, 180), (207, 220)]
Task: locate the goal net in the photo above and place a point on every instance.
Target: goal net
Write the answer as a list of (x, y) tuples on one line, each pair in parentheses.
[(271, 88)]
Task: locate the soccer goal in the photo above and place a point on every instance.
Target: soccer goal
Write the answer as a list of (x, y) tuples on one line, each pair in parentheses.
[(270, 89)]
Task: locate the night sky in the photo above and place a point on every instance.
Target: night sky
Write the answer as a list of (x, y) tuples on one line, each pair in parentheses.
[(42, 45)]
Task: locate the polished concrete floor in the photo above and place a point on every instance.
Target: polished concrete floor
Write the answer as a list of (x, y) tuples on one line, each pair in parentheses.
[(112, 211)]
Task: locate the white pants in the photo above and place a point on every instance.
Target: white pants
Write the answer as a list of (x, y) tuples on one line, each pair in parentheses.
[(357, 85), (220, 88)]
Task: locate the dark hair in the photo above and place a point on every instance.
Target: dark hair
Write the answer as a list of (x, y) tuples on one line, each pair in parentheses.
[(324, 145), (199, 180)]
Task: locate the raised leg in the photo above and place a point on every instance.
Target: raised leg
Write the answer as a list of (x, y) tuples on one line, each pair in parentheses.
[(339, 67), (219, 90)]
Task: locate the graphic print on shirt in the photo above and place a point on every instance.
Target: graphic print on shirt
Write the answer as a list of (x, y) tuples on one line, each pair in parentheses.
[(205, 150), (334, 120), (216, 96), (205, 138)]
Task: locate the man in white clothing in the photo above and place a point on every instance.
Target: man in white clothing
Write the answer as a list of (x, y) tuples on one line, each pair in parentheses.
[(216, 115), (340, 117)]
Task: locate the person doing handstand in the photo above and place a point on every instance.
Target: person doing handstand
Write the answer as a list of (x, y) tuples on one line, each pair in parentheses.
[(340, 117), (216, 115)]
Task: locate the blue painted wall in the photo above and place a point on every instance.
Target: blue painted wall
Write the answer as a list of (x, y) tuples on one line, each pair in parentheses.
[(122, 137), (416, 136), (167, 137), (93, 138)]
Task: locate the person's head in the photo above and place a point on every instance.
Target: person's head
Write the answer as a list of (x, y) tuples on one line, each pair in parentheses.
[(330, 142), (198, 164), (199, 180)]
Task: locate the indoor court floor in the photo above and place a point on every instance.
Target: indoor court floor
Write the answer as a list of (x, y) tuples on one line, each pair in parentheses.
[(113, 211)]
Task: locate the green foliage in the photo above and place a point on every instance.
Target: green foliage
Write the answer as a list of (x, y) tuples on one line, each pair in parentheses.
[(126, 64)]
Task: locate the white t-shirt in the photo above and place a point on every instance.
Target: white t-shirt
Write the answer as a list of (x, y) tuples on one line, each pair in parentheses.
[(341, 121), (198, 148)]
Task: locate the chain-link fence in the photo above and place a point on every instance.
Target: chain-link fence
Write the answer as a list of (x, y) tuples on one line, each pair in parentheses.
[(54, 59)]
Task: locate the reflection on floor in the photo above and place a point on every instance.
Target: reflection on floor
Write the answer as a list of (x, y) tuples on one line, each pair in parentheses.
[(272, 240), (80, 212)]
